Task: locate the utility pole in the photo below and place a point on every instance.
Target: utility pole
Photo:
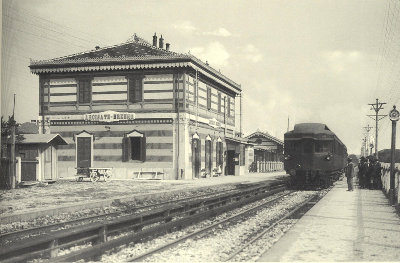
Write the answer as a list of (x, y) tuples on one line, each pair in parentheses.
[(377, 106), (12, 157)]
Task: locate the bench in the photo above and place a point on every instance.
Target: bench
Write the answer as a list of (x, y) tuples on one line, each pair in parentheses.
[(94, 173), (153, 173)]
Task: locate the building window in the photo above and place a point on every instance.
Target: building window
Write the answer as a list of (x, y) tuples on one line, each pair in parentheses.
[(242, 154), (135, 86), (134, 147), (84, 149), (229, 107), (208, 98), (219, 102), (85, 91)]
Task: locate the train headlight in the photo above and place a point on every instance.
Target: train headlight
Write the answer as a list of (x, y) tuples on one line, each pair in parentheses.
[(287, 157), (328, 157), (298, 166)]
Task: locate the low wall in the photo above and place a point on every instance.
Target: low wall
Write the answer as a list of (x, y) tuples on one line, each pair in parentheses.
[(386, 180)]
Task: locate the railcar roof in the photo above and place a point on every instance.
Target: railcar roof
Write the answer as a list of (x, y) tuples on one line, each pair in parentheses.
[(311, 128)]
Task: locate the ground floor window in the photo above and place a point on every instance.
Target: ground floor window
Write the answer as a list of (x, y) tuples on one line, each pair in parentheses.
[(134, 147)]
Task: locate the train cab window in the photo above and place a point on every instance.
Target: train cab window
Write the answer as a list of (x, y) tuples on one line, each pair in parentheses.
[(323, 146), (308, 146)]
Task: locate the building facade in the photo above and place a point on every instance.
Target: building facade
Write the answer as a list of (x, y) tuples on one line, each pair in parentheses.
[(138, 109)]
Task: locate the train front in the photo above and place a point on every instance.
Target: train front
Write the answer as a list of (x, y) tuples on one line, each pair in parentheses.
[(309, 155)]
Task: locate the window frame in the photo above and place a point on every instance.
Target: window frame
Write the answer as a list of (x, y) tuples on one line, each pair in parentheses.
[(209, 98), (134, 90), (82, 93), (127, 147)]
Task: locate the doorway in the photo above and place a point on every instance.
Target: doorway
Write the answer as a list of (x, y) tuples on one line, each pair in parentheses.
[(230, 162), (196, 161)]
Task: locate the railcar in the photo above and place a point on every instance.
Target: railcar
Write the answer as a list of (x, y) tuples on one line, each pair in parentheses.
[(314, 155)]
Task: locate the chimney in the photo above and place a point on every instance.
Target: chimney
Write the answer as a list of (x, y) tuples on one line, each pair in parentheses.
[(161, 42), (97, 47), (155, 40), (167, 46)]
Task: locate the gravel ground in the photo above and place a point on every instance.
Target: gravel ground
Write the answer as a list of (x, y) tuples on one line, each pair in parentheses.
[(215, 245), (70, 192)]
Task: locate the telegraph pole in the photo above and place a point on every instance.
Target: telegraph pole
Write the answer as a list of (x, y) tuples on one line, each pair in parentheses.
[(12, 155), (377, 106)]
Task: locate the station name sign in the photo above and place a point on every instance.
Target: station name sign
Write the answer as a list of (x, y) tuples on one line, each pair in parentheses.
[(109, 116)]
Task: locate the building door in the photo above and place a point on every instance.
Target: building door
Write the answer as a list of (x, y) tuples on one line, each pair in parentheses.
[(196, 161), (208, 153), (230, 162), (48, 169), (28, 155), (84, 152)]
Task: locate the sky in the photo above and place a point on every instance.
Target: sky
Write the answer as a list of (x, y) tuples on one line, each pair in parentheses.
[(302, 61)]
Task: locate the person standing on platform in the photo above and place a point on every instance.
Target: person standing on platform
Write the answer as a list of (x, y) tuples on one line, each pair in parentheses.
[(362, 171), (349, 172), (370, 173)]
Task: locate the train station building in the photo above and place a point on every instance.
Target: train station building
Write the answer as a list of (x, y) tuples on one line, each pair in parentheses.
[(142, 110)]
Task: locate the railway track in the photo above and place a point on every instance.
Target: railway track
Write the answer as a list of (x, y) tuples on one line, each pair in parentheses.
[(238, 253), (96, 218), (100, 236)]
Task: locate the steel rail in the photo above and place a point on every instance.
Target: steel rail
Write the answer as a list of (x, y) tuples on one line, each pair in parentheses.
[(258, 236), (49, 227), (97, 250), (205, 229), (55, 241), (287, 215)]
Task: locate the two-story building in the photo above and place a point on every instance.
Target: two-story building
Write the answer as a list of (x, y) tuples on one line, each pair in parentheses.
[(139, 107)]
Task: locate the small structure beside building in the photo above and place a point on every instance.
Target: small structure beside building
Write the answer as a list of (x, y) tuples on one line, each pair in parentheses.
[(36, 156), (268, 152)]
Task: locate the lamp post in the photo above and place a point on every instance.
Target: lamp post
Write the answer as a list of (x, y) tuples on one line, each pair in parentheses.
[(394, 117)]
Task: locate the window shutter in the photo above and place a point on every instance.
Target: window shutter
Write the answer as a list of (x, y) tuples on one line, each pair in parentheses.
[(219, 102), (125, 144), (208, 98), (143, 149)]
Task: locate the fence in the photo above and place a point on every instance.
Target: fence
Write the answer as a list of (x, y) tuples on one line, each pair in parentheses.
[(386, 180), (4, 173), (264, 167)]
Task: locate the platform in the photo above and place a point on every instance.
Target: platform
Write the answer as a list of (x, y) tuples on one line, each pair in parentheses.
[(344, 226)]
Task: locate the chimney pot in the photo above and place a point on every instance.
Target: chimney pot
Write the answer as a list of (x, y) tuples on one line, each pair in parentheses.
[(155, 40), (161, 42), (97, 47), (167, 46)]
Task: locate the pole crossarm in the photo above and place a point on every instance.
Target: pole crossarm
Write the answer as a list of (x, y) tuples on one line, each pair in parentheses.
[(377, 106)]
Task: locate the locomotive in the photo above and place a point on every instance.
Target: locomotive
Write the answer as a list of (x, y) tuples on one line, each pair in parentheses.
[(314, 156)]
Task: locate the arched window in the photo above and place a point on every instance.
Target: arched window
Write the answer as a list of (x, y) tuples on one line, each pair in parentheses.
[(219, 152), (134, 146), (208, 154)]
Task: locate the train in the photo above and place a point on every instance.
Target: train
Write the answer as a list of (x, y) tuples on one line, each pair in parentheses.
[(314, 156)]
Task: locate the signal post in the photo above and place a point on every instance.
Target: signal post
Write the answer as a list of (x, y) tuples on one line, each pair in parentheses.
[(394, 117)]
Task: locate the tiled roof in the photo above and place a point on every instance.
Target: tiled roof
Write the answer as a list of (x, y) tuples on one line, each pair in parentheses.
[(43, 139), (265, 135), (135, 51)]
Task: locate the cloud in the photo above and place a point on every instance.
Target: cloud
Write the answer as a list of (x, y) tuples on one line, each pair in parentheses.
[(221, 32), (214, 53), (185, 26), (252, 53), (340, 61)]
